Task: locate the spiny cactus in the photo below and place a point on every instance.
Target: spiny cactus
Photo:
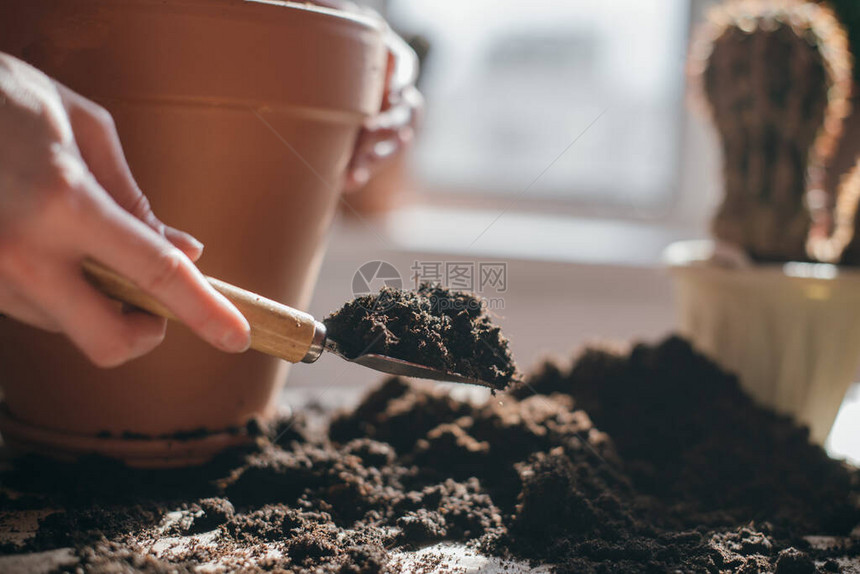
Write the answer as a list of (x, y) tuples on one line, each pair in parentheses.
[(832, 238), (776, 75)]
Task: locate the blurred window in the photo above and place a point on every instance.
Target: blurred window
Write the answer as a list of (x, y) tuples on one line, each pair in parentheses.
[(510, 85)]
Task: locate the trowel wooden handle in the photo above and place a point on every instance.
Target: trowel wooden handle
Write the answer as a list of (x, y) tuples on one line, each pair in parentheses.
[(276, 329)]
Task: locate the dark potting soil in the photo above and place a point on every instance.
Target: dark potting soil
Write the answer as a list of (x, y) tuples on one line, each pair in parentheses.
[(648, 460), (432, 326), (252, 428)]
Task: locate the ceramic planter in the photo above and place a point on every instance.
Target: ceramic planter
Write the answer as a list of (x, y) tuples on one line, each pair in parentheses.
[(238, 119), (790, 332)]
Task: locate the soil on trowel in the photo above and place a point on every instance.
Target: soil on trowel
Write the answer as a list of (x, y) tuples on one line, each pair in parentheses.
[(649, 459), (432, 326)]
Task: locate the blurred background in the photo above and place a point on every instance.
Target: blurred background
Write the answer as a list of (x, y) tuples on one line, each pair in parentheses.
[(558, 141)]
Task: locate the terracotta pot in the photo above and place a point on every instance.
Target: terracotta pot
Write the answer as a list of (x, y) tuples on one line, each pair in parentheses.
[(790, 332), (238, 119)]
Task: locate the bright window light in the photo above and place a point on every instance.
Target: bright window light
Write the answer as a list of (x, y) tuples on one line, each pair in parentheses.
[(511, 85)]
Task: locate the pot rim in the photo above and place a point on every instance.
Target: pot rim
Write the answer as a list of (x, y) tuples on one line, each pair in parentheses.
[(356, 17), (364, 19), (710, 257), (260, 54), (156, 452)]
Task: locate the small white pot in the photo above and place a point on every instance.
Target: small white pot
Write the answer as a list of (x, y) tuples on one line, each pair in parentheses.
[(791, 332)]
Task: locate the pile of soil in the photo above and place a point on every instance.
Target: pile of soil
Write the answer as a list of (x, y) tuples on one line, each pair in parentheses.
[(648, 460), (432, 326)]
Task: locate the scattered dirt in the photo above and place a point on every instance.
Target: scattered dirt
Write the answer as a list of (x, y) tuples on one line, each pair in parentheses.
[(650, 460), (432, 326), (689, 436)]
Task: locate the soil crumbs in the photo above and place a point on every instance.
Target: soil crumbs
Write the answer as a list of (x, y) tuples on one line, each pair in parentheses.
[(647, 460), (433, 326)]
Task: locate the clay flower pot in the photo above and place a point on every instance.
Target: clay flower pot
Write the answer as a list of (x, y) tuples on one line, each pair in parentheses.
[(791, 332), (238, 119)]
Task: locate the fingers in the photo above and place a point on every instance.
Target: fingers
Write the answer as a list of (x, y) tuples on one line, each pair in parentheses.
[(372, 150), (387, 135), (402, 64), (16, 306), (46, 266), (96, 325), (185, 242), (56, 213), (100, 328), (123, 233), (101, 150), (134, 250)]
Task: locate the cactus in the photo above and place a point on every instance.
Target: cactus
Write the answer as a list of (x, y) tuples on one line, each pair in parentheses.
[(832, 238), (776, 78)]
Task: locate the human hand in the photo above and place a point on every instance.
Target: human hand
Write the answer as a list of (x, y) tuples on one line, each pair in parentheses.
[(384, 136), (387, 134), (66, 193)]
